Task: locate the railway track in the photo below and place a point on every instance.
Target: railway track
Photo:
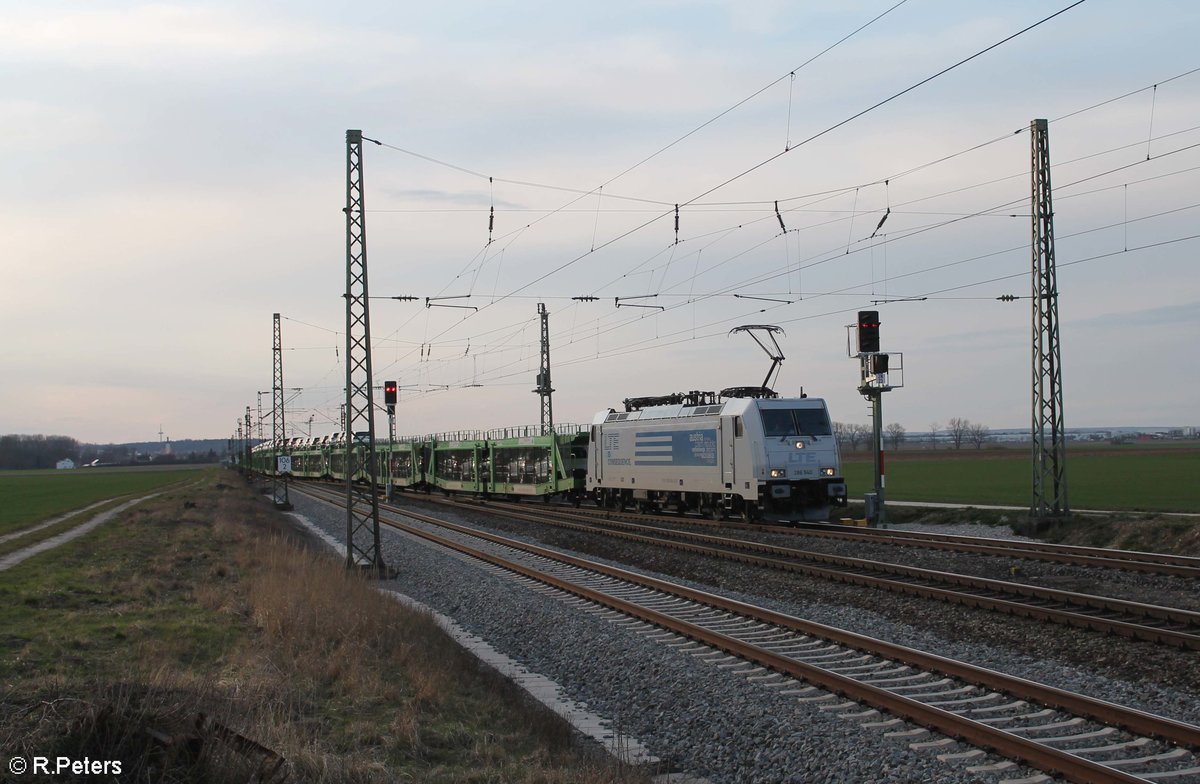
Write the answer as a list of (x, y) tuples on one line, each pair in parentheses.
[(1165, 625), (1128, 560), (1056, 731)]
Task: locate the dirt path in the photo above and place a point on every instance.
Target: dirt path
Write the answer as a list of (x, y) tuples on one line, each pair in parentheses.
[(16, 557), (50, 522)]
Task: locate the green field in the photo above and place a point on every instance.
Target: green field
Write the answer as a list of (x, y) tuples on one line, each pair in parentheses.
[(27, 497), (1149, 481)]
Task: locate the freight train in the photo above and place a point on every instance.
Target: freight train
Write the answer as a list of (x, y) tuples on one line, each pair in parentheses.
[(743, 453)]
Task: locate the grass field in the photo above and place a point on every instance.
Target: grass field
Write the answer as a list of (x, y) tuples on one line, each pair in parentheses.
[(1158, 480), (27, 497), (203, 603)]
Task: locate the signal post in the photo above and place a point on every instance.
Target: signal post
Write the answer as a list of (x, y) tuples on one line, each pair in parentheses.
[(879, 372), (389, 400)]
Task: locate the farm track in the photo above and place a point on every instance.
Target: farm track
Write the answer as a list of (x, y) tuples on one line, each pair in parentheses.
[(1165, 625), (17, 556), (1054, 730)]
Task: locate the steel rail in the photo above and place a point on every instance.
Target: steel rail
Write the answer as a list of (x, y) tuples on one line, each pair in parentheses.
[(1012, 746), (1131, 719), (928, 587), (1045, 547), (1128, 560)]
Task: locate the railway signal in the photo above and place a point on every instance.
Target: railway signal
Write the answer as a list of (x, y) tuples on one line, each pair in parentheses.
[(389, 396), (868, 331), (879, 373), (389, 401)]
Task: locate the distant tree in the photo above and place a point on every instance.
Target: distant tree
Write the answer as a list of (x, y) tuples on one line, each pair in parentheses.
[(857, 434), (979, 434), (36, 451), (958, 428), (934, 429), (896, 434), (839, 432)]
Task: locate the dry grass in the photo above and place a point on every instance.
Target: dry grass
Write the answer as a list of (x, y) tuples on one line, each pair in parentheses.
[(1145, 533), (273, 639)]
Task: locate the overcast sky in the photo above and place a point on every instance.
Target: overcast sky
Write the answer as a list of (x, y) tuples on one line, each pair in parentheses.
[(173, 173)]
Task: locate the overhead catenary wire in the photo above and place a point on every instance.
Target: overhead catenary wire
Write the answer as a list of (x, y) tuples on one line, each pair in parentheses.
[(582, 193), (1180, 76), (694, 299), (1061, 197), (889, 209), (843, 189), (719, 326), (639, 346), (909, 171), (890, 98), (813, 137), (849, 290)]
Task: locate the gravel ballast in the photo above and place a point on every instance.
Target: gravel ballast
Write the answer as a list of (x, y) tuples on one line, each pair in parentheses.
[(701, 720)]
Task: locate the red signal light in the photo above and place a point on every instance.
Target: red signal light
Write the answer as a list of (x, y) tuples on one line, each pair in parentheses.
[(868, 331)]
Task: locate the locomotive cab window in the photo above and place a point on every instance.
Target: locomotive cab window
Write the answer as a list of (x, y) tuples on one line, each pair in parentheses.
[(739, 429), (795, 422)]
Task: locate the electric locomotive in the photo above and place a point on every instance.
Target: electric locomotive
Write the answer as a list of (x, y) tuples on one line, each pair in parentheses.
[(745, 452)]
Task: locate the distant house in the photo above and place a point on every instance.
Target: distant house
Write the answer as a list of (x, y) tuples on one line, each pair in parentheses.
[(64, 464)]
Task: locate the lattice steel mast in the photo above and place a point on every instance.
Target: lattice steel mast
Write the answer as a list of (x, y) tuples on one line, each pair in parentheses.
[(1049, 434), (544, 390), (362, 505), (248, 446), (279, 479)]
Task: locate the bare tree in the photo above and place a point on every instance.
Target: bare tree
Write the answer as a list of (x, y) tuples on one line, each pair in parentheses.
[(958, 428), (934, 429), (979, 434), (36, 451), (849, 436), (896, 434), (857, 433)]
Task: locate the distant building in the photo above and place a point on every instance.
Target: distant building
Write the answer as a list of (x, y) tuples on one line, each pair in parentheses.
[(65, 464)]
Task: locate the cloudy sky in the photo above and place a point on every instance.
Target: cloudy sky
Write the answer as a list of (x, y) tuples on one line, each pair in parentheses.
[(173, 173)]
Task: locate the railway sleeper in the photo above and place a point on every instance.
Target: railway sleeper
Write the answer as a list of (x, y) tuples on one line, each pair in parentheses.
[(1114, 747), (1023, 717), (1166, 756), (886, 682), (927, 696), (1014, 705), (923, 685), (950, 704), (1056, 739), (1053, 725)]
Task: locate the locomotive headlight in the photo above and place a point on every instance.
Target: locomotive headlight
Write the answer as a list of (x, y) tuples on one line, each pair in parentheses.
[(827, 472), (777, 473), (799, 444)]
